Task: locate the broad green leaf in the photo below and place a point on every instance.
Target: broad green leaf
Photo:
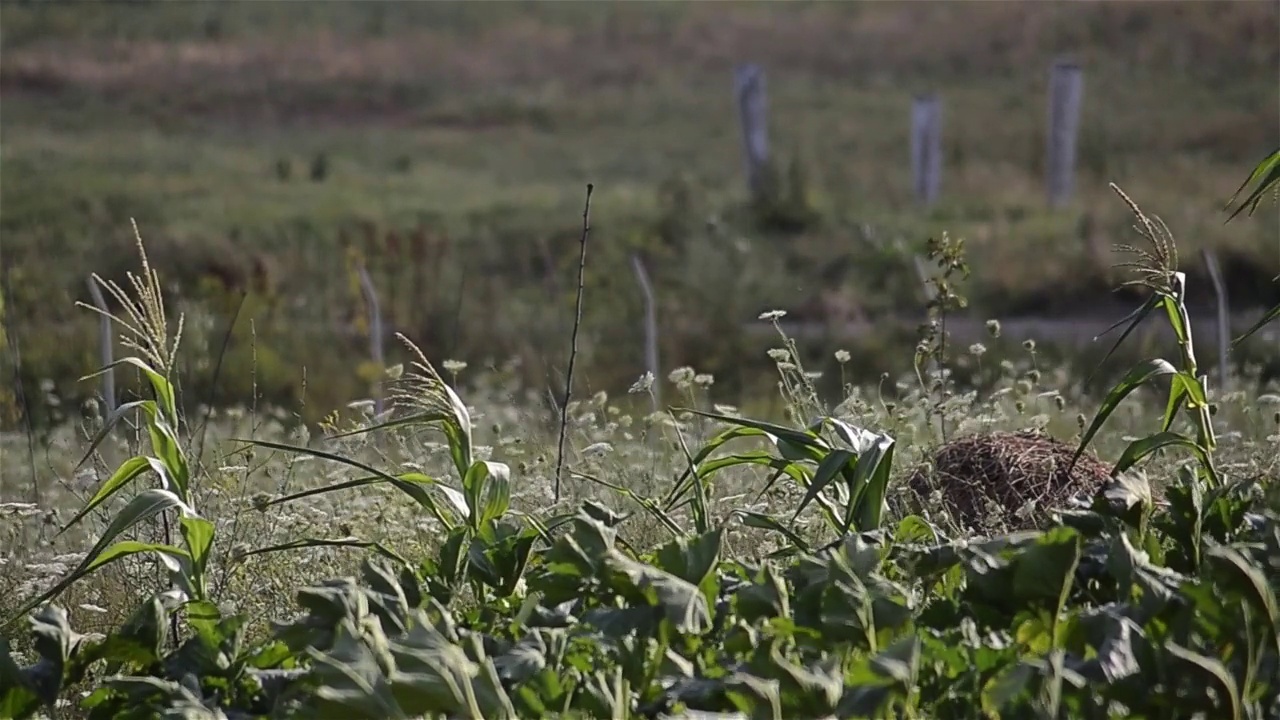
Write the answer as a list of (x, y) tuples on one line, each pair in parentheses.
[(1046, 570), (766, 597), (1251, 581), (810, 690), (682, 603), (198, 534), (692, 559), (352, 683)]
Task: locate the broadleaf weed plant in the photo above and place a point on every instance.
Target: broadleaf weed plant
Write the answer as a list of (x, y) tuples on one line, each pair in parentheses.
[(948, 254)]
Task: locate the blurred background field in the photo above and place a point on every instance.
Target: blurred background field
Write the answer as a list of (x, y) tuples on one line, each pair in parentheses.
[(267, 150)]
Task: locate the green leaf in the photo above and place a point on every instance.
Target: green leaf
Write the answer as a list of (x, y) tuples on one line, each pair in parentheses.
[(804, 439), (914, 529), (487, 487), (1208, 672), (412, 484), (145, 505), (350, 542), (829, 469), (16, 699), (128, 470), (1142, 447), (692, 559), (1266, 175), (1046, 570), (198, 534), (1139, 375), (750, 518), (868, 485), (1137, 316), (163, 390), (1250, 580), (682, 603), (1267, 318)]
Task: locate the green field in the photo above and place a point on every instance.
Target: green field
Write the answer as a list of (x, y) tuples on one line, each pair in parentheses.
[(477, 558), (481, 123), (898, 525)]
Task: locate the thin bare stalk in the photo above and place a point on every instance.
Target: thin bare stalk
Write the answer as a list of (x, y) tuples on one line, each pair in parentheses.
[(573, 342)]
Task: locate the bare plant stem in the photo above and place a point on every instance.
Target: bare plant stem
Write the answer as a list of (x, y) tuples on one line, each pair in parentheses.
[(573, 342)]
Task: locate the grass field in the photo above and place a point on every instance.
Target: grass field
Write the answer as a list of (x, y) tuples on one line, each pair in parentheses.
[(480, 125)]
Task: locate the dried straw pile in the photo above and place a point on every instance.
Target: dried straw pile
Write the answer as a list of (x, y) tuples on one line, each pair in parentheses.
[(1009, 469)]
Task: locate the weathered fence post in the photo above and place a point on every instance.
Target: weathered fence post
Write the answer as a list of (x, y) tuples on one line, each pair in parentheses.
[(1224, 315), (749, 89), (375, 335), (926, 148), (105, 348), (650, 329), (1066, 94)]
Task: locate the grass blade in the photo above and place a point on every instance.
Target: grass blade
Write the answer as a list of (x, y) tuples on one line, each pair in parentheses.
[(146, 504), (350, 542), (799, 437), (750, 518), (1137, 316), (1142, 447), (1267, 318), (1266, 174), (1139, 375), (408, 483), (128, 470), (828, 470)]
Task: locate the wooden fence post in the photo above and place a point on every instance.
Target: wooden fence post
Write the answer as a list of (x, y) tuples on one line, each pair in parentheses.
[(749, 89), (1224, 315), (375, 335), (926, 148), (105, 348), (1066, 94), (650, 328)]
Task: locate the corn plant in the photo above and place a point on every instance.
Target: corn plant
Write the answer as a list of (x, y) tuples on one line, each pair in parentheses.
[(845, 472), (481, 543), (146, 331), (1156, 269)]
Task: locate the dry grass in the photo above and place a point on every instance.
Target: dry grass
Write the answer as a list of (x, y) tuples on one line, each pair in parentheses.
[(1010, 476), (487, 120)]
